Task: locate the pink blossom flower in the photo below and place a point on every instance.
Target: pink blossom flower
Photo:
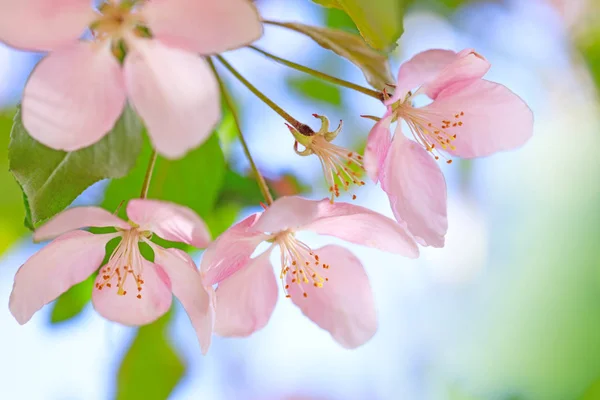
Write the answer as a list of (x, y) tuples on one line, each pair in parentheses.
[(328, 284), (339, 164), (77, 92), (468, 117), (129, 289)]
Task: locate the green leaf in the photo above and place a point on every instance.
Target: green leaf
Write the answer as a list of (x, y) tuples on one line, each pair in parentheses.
[(338, 19), (72, 302), (374, 65), (592, 392), (151, 367), (590, 50), (194, 181), (240, 189), (222, 217), (316, 90), (226, 131), (52, 179), (11, 201), (243, 190), (379, 22), (329, 3)]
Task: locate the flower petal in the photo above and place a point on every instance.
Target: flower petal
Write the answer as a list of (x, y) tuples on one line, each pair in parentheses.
[(170, 221), (378, 143), (175, 93), (246, 300), (417, 190), (77, 218), (420, 69), (128, 309), (73, 97), (466, 67), (433, 70), (362, 226), (197, 300), (66, 261), (344, 306), (205, 27), (231, 251), (287, 213), (41, 25), (495, 119)]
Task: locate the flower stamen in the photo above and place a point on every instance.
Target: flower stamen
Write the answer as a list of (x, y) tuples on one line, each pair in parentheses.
[(434, 136), (341, 167), (299, 262), (124, 261), (116, 22)]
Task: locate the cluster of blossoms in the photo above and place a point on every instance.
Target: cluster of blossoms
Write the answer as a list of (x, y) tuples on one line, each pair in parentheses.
[(147, 53)]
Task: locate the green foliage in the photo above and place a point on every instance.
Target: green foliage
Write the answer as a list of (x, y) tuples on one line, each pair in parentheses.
[(337, 19), (316, 90), (193, 181), (52, 179), (592, 392), (379, 22), (151, 367), (374, 65), (590, 49), (72, 302), (226, 131), (240, 189), (222, 217), (11, 201)]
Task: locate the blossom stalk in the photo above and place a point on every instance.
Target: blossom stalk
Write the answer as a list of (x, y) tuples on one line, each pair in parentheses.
[(148, 177), (302, 128), (262, 184), (321, 75)]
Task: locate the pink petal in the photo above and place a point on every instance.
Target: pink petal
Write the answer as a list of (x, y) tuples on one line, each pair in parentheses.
[(362, 226), (197, 300), (495, 119), (77, 218), (205, 27), (66, 261), (175, 93), (344, 306), (420, 69), (245, 300), (433, 70), (73, 97), (287, 213), (378, 143), (41, 25), (466, 67), (156, 298), (231, 251), (170, 221), (417, 190)]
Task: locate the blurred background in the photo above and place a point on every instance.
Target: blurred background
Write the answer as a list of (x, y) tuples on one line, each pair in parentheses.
[(508, 310)]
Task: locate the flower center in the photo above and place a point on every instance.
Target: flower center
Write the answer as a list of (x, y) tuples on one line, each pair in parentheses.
[(125, 263), (299, 263), (115, 20), (340, 166), (433, 131), (119, 20)]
